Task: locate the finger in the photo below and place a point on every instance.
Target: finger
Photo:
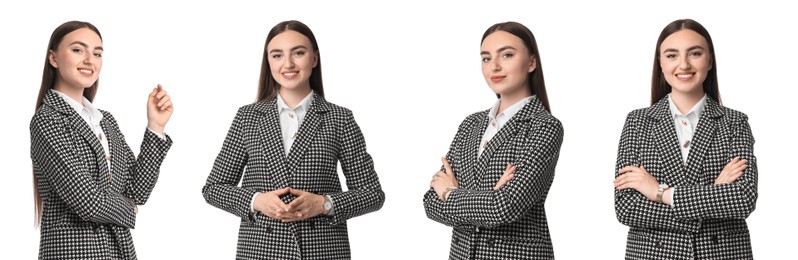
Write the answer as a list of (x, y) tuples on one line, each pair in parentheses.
[(162, 100), (153, 92), (446, 165), (643, 168), (161, 93), (296, 204)]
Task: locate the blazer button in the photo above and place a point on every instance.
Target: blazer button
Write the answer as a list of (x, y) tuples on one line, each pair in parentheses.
[(96, 229), (715, 240), (491, 242), (267, 229), (658, 244), (312, 225), (456, 240)]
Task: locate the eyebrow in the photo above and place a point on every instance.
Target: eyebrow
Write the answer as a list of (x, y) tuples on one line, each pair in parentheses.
[(499, 50), (292, 49), (86, 45), (688, 49)]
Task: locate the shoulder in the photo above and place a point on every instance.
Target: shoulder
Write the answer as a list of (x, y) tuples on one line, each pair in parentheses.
[(336, 110), (46, 115), (734, 116)]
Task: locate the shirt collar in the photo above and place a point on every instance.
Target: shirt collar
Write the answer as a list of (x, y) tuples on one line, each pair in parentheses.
[(303, 104), (510, 111), (79, 108), (697, 109)]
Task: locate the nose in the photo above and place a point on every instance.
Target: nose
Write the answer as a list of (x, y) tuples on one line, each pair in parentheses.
[(685, 64), (494, 65), (289, 62), (88, 58)]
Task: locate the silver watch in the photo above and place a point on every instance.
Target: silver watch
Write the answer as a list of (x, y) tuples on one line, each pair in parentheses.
[(660, 190), (327, 204)]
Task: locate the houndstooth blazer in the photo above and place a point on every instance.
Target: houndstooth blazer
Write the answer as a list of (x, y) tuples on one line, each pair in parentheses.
[(707, 221), (86, 215), (509, 223), (253, 155)]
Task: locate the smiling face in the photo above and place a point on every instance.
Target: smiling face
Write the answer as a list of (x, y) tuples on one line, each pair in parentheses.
[(291, 60), (685, 61), (78, 60), (506, 64)]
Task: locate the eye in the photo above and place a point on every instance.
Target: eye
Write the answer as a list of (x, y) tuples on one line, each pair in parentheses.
[(485, 59), (277, 56), (508, 55), (696, 54), (77, 50), (670, 56), (299, 53), (98, 55)]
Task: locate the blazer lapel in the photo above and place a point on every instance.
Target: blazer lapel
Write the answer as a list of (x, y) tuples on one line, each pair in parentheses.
[(79, 125), (272, 144), (521, 120), (664, 132), (307, 130), (702, 139), (116, 150), (469, 169)]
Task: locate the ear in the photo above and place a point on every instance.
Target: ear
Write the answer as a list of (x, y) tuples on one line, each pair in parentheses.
[(51, 58), (533, 64), (315, 58)]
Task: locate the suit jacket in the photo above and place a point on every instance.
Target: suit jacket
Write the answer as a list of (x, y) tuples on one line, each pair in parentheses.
[(253, 150), (509, 223), (86, 215), (707, 221)]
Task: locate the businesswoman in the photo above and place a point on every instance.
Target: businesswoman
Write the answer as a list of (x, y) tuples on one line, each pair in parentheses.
[(500, 165), (284, 149), (87, 181), (686, 174)]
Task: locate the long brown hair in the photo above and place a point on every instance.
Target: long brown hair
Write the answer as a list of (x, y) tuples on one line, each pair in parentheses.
[(267, 86), (536, 83), (49, 77), (659, 87)]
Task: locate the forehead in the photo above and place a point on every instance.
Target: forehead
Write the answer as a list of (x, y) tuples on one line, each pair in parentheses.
[(499, 39), (289, 39), (683, 39), (84, 35)]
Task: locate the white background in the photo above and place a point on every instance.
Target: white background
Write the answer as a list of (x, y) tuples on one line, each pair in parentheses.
[(410, 71)]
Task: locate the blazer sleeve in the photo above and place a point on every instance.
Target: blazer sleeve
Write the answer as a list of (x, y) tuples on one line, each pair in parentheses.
[(145, 169), (433, 206), (221, 189), (735, 200), (364, 192), (631, 207), (70, 179), (533, 177)]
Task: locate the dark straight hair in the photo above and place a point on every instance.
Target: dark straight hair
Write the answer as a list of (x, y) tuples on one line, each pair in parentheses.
[(535, 78), (49, 76), (267, 86), (659, 87)]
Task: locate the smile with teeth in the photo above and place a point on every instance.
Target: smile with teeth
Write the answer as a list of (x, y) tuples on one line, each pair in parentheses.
[(85, 71), (685, 75), (290, 74)]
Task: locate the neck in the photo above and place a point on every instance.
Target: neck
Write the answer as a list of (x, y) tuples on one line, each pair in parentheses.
[(73, 93), (509, 99), (686, 101), (292, 97)]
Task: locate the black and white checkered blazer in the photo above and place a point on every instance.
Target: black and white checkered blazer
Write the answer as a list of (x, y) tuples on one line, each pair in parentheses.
[(86, 215), (707, 221), (509, 223), (253, 155)]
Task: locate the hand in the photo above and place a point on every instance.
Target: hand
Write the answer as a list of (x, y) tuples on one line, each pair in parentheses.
[(509, 174), (733, 170), (270, 204), (305, 205), (442, 180), (136, 209), (159, 109), (639, 179)]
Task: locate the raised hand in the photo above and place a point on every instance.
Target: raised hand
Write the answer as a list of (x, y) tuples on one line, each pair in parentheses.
[(159, 109)]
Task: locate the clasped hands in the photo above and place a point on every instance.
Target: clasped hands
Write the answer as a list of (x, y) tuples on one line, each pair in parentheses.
[(444, 181), (633, 177), (305, 205)]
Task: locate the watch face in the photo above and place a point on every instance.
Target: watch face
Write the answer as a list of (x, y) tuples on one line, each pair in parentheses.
[(327, 205)]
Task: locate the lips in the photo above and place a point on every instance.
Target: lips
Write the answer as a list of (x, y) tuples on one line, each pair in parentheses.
[(290, 74), (497, 78), (685, 76), (86, 71)]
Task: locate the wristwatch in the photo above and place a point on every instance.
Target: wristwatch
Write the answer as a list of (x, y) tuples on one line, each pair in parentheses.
[(328, 205), (661, 189)]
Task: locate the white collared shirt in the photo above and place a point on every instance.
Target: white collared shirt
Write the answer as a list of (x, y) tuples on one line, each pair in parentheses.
[(497, 121), (291, 119), (92, 116), (686, 124)]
